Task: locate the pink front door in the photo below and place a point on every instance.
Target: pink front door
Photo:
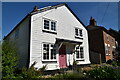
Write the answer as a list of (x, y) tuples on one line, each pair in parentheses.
[(62, 56)]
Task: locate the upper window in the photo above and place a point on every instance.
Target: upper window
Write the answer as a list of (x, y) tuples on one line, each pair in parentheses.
[(49, 25), (107, 37), (53, 26), (79, 52), (46, 24), (78, 32), (112, 40), (49, 52)]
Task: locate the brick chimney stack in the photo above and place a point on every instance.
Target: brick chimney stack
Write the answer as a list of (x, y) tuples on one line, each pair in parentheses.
[(35, 8), (92, 22)]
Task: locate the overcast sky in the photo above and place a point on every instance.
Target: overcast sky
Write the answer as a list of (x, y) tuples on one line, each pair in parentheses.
[(105, 13)]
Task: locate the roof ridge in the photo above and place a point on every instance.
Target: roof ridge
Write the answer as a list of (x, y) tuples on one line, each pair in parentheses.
[(47, 8)]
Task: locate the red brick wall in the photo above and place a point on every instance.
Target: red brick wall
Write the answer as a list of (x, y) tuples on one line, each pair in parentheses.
[(111, 42)]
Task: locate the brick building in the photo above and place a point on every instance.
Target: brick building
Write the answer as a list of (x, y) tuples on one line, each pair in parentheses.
[(101, 43)]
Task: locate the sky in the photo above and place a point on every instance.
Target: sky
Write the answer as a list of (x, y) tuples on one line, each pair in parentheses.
[(105, 13)]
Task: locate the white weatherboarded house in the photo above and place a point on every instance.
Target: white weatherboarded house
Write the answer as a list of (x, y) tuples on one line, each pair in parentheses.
[(51, 36)]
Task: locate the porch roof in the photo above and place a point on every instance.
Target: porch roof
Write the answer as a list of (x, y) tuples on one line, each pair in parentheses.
[(66, 40)]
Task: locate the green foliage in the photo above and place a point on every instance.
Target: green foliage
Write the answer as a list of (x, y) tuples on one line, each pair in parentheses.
[(103, 72), (32, 72), (9, 60), (41, 70), (69, 76), (114, 63), (75, 63)]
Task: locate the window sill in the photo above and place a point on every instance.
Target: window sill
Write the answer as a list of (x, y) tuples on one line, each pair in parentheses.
[(49, 61), (107, 54), (48, 31), (78, 37), (80, 60)]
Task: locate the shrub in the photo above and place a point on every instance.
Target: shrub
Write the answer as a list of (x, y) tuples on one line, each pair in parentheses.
[(104, 72), (69, 76), (9, 60), (32, 72), (114, 63)]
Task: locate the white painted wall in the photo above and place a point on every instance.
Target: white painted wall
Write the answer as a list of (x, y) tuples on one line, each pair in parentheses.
[(65, 30)]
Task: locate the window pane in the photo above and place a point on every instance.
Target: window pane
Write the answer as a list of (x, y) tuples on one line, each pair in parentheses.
[(76, 32), (80, 32), (46, 24), (107, 48), (81, 52), (81, 55), (53, 26), (107, 37), (49, 52), (77, 54), (45, 51), (53, 52)]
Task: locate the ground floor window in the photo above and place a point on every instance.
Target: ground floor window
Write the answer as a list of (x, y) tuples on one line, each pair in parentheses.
[(79, 52), (49, 51)]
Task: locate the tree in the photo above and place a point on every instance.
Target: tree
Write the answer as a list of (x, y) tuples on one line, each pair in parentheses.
[(9, 59)]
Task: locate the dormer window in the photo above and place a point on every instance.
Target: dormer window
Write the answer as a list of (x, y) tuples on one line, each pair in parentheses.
[(78, 33)]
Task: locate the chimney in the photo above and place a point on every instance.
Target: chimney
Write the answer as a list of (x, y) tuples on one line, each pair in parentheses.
[(35, 9), (92, 22)]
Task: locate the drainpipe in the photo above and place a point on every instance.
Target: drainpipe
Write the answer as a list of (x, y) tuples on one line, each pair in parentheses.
[(100, 58)]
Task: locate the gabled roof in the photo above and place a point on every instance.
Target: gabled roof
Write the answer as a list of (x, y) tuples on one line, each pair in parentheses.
[(54, 7), (42, 10)]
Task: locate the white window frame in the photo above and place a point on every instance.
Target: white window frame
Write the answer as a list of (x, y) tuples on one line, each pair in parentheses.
[(49, 52), (107, 37), (79, 53), (107, 49), (50, 30), (83, 51), (79, 35)]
